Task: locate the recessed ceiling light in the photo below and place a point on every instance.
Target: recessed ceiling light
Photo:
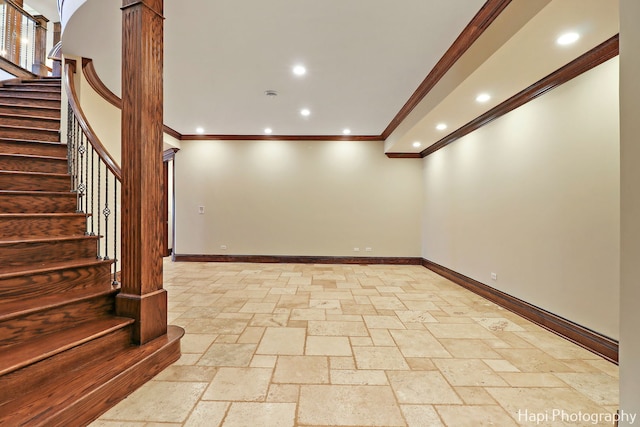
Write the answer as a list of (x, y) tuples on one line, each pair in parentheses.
[(441, 126), (299, 70), (305, 112), (483, 97), (200, 130), (268, 131), (416, 144), (346, 131), (567, 38)]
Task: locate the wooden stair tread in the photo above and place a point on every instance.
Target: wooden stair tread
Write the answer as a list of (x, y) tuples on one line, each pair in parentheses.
[(59, 175), (34, 157), (45, 107), (107, 378), (3, 126), (16, 308), (43, 215), (21, 240), (20, 355), (28, 116), (35, 193), (52, 266), (32, 141)]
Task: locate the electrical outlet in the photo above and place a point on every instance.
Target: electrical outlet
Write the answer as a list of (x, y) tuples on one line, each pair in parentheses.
[(200, 210), (356, 249), (368, 249), (223, 247), (494, 276)]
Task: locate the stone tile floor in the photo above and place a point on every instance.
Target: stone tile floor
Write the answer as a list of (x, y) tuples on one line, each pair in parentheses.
[(350, 345)]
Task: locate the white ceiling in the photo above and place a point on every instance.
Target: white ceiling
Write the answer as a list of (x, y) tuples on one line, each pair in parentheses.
[(365, 58)]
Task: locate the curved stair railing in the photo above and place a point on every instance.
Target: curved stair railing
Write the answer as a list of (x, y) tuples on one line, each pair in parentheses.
[(95, 177)]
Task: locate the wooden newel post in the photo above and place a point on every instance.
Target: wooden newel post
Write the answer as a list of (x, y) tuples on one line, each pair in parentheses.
[(39, 66), (142, 296)]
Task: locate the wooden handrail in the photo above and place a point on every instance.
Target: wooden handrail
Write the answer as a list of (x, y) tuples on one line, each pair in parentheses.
[(89, 72), (69, 70), (94, 81), (21, 10)]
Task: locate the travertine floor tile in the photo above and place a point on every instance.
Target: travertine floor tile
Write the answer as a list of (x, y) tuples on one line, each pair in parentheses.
[(284, 393), (159, 401), (251, 335), (187, 373), (521, 401), (421, 416), (244, 384), (532, 379), (385, 358), (426, 387), (302, 370), (341, 405), (243, 414), (600, 388), (341, 329), (289, 341), (412, 316), (207, 414), (261, 361), (475, 416), (383, 322), (418, 344), (328, 346), (532, 360), (500, 365), (352, 345), (469, 349), (459, 331), (196, 343), (228, 355), (468, 372), (358, 377), (475, 396)]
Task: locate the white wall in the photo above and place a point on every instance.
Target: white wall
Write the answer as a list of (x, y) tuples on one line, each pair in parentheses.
[(534, 197), (630, 207), (6, 76), (296, 198)]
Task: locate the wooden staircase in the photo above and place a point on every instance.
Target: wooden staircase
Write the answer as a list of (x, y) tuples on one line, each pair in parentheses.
[(65, 357)]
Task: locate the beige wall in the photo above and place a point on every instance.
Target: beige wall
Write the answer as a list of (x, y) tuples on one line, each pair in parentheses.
[(534, 198), (296, 198), (630, 207), (104, 118)]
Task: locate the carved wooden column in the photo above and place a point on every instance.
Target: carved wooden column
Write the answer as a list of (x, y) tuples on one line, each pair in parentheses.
[(39, 66), (56, 69), (142, 296)]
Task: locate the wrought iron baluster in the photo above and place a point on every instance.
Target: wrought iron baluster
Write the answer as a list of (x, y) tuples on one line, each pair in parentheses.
[(106, 212), (81, 186), (70, 117), (98, 219), (115, 230), (93, 180), (86, 181)]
